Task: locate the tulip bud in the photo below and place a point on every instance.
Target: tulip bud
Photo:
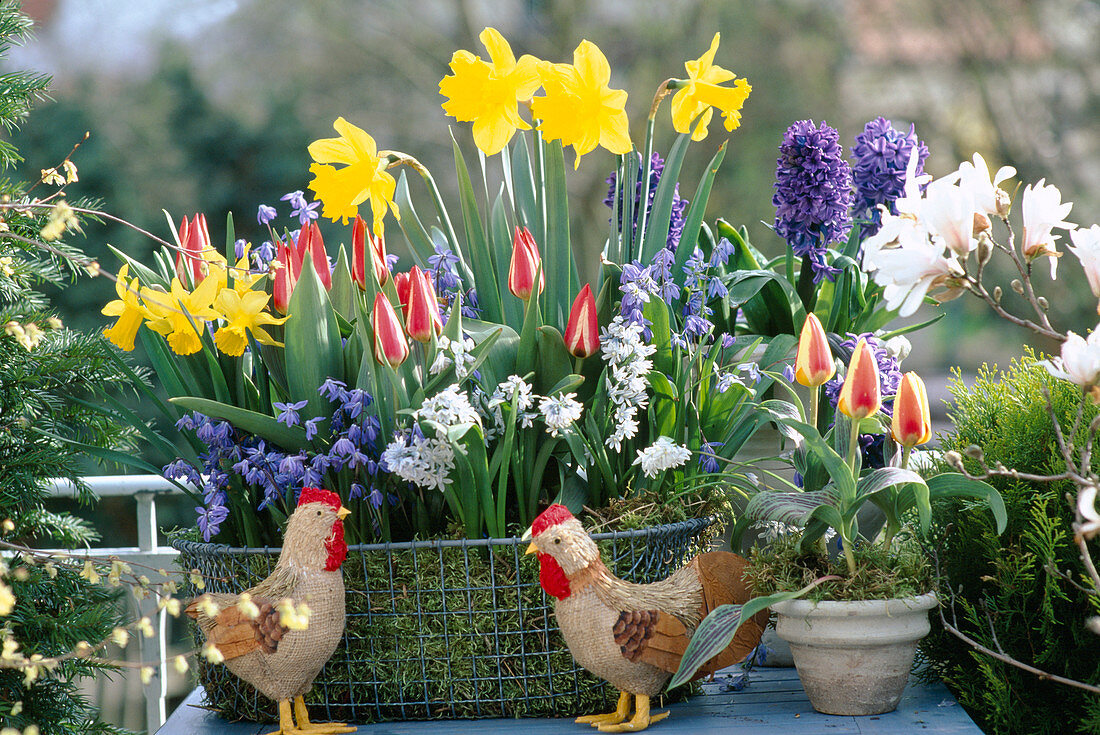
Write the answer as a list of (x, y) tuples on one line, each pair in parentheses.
[(401, 284), (194, 240), (911, 424), (860, 396), (525, 263), (390, 345), (310, 243), (422, 314), (359, 237), (582, 333), (285, 278), (814, 363)]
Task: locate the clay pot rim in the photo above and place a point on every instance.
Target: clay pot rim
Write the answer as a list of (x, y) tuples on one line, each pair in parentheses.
[(849, 608)]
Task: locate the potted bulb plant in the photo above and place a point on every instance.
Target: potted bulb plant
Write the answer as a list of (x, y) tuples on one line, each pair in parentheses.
[(853, 623)]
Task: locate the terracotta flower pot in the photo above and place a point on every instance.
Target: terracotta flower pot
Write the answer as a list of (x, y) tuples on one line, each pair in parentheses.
[(854, 657)]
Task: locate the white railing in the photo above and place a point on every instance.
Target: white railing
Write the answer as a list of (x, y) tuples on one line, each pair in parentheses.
[(144, 489)]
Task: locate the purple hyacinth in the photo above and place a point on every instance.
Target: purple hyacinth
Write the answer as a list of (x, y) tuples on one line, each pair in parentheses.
[(813, 193), (679, 204), (880, 156)]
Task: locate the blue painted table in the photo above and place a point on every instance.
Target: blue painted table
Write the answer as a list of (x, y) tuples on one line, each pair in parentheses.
[(771, 702)]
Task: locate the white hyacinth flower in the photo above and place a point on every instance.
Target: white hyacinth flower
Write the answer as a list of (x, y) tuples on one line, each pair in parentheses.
[(664, 454), (1043, 210), (560, 412)]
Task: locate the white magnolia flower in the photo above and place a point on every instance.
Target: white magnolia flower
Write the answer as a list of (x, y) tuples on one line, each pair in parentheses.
[(449, 407), (663, 455), (560, 412), (987, 193), (948, 211), (1086, 246), (898, 347), (1080, 360), (1043, 210), (1086, 507), (906, 262)]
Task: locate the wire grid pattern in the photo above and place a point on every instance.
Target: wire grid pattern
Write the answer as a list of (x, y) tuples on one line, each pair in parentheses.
[(442, 629)]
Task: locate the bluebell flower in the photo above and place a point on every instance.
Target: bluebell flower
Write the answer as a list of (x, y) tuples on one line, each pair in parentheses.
[(265, 214), (182, 470), (356, 491), (880, 157), (751, 370), (187, 421), (321, 462), (311, 477), (716, 289), (355, 402), (708, 460), (210, 519), (342, 447), (306, 213), (813, 193), (722, 252), (238, 247), (442, 268), (788, 374), (355, 434), (696, 327), (288, 412), (291, 466), (376, 498)]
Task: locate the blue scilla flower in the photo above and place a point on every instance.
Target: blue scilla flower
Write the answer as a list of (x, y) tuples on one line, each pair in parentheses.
[(334, 390), (813, 193), (263, 255), (356, 491), (311, 427), (296, 198), (376, 498), (210, 519), (879, 159), (708, 460), (722, 252), (442, 268), (182, 470), (288, 412), (291, 466), (470, 307), (265, 214)]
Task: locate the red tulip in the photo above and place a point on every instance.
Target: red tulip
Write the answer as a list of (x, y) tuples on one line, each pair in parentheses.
[(285, 278), (861, 397), (525, 263), (311, 243), (194, 240), (390, 345), (814, 364), (401, 282), (582, 333), (422, 315), (912, 424), (359, 236)]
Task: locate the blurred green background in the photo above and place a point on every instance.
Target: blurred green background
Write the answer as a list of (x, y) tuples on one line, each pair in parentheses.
[(208, 106)]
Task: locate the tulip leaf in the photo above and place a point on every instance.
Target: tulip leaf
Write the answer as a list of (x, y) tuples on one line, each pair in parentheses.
[(955, 485), (793, 508), (655, 236), (313, 343), (291, 438), (500, 239), (693, 220), (835, 465), (557, 255), (523, 182), (485, 278), (554, 360), (344, 291), (527, 356)]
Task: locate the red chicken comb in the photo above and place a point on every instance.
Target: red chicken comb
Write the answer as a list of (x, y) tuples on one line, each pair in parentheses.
[(319, 495), (552, 516)]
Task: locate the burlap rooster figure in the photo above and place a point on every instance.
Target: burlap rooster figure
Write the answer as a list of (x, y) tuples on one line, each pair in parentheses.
[(633, 635), (255, 634)]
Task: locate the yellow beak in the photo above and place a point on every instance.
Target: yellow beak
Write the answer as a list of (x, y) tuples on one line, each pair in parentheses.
[(343, 513), (531, 549)]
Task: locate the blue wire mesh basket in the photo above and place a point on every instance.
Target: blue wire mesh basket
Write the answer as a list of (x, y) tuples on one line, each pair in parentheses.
[(442, 629)]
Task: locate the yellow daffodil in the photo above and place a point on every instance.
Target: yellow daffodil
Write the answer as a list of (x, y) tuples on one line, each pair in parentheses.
[(578, 108), (363, 176), (243, 278), (702, 94), (177, 314), (487, 94), (127, 308), (243, 313)]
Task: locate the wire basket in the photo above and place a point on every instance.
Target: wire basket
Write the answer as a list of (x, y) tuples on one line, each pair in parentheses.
[(442, 629)]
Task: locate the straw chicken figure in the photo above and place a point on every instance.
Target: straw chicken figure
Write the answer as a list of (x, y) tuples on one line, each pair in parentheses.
[(633, 635), (265, 634)]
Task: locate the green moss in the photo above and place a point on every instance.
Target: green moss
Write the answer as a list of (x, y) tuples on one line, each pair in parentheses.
[(444, 632), (1007, 594), (904, 572)]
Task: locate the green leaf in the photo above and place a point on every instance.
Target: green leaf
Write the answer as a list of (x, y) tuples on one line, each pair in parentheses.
[(694, 218), (837, 468), (955, 485), (484, 270), (557, 253), (292, 438), (792, 508), (313, 344), (411, 226), (344, 292), (664, 407), (721, 625), (139, 270), (656, 311), (554, 361), (660, 213)]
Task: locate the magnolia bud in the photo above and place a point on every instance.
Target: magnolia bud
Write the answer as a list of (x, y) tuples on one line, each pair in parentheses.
[(1017, 286), (1043, 303), (981, 224), (997, 294), (1003, 202), (953, 458), (985, 248), (974, 452)]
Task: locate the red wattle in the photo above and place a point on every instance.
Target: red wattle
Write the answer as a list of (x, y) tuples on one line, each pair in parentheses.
[(336, 548), (552, 577)]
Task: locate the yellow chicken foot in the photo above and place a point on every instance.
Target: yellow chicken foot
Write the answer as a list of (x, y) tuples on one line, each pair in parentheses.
[(316, 728), (641, 719), (612, 718), (286, 722)]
